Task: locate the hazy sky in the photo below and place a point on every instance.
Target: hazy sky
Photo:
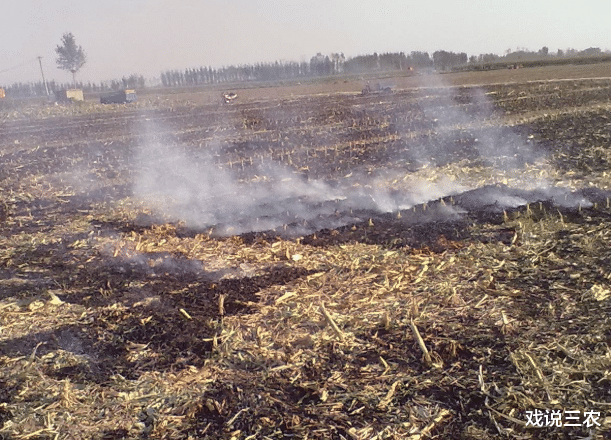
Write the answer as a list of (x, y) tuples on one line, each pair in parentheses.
[(121, 37)]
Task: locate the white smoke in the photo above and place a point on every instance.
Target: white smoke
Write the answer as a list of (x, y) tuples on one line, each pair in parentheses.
[(495, 143), (203, 193)]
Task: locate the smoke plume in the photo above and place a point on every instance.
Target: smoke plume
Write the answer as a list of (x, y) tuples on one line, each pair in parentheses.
[(201, 191), (203, 194)]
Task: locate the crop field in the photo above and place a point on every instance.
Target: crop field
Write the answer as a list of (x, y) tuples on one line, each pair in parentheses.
[(429, 262)]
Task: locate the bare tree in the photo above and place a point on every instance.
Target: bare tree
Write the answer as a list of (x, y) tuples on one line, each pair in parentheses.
[(70, 56)]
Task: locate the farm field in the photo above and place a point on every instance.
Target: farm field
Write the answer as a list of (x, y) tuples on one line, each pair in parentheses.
[(311, 262)]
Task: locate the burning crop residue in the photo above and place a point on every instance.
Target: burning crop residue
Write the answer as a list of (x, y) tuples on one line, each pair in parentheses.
[(204, 195), (205, 191)]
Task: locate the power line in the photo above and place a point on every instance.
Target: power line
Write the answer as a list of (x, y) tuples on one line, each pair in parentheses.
[(18, 66), (43, 75)]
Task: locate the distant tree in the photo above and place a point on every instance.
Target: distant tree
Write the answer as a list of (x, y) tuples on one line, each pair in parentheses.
[(70, 57), (544, 51), (317, 64), (486, 58), (421, 59), (590, 51), (560, 53), (131, 82), (443, 60)]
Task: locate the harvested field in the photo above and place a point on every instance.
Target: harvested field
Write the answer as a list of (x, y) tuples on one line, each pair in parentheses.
[(431, 263)]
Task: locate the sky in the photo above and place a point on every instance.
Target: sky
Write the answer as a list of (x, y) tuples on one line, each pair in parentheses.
[(146, 37)]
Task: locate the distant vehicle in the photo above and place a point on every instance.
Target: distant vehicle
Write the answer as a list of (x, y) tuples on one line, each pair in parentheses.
[(69, 95), (377, 89), (120, 97), (2, 93), (227, 97)]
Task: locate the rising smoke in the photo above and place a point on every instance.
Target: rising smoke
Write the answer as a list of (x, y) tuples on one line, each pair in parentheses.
[(201, 192)]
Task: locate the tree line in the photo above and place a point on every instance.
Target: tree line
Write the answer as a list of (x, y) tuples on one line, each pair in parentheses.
[(337, 64), (318, 66), (32, 89), (521, 55)]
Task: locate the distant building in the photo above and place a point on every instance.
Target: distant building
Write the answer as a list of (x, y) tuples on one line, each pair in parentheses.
[(69, 95)]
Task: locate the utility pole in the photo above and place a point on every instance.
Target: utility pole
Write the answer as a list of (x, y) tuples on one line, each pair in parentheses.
[(43, 75)]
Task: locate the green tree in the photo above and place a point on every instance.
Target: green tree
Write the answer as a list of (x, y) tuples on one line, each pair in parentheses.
[(70, 57)]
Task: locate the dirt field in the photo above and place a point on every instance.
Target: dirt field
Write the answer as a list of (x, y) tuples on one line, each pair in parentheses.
[(309, 262)]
